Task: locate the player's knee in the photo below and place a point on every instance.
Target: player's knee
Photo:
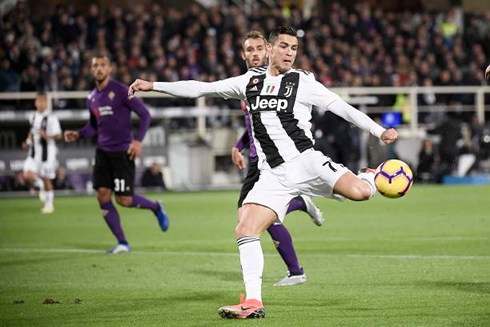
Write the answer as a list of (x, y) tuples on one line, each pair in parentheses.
[(28, 176), (243, 229), (124, 201), (360, 192), (240, 230), (103, 196)]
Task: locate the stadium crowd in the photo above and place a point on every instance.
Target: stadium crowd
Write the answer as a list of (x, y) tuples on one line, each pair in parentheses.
[(362, 47), (365, 46)]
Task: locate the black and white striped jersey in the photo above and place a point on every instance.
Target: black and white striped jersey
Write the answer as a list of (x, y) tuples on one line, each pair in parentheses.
[(42, 149), (279, 106)]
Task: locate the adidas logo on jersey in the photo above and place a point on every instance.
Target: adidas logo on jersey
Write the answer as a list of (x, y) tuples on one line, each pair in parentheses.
[(271, 104)]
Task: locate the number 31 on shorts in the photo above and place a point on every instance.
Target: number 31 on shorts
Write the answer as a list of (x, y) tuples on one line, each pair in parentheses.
[(119, 184)]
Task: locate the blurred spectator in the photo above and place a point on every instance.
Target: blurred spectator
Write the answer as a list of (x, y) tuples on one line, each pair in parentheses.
[(153, 177), (9, 78), (426, 169), (61, 182), (450, 132), (359, 47), (18, 183)]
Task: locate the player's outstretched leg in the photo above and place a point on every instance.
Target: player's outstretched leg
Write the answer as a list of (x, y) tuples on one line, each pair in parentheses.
[(356, 188), (111, 217), (284, 245), (305, 203), (367, 176), (158, 209)]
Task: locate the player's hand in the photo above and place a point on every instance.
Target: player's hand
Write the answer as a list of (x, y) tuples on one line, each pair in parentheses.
[(237, 158), (25, 145), (42, 133), (71, 136), (134, 150), (139, 85), (389, 136), (487, 73)]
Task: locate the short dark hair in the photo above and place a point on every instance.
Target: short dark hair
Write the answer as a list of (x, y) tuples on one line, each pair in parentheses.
[(253, 35), (101, 55), (41, 94), (281, 30)]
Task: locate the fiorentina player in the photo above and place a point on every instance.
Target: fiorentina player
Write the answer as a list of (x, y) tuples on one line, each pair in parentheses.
[(254, 52), (41, 142), (114, 169)]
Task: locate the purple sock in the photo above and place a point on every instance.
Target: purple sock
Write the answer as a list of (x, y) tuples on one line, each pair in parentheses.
[(143, 203), (296, 203), (284, 245), (112, 219)]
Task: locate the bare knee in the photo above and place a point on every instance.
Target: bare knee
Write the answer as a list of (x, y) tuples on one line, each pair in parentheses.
[(244, 229), (104, 195), (29, 176), (124, 201), (361, 192), (254, 219)]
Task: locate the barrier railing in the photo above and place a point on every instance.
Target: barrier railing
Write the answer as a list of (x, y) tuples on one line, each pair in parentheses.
[(365, 98)]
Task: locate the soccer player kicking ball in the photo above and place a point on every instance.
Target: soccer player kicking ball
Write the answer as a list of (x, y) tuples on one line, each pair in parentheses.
[(41, 142), (254, 52), (280, 100), (114, 169)]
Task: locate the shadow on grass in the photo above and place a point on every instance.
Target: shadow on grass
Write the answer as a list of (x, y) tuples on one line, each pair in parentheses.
[(226, 276), (472, 287)]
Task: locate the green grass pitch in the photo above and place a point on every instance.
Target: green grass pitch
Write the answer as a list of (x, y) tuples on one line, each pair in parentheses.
[(423, 260)]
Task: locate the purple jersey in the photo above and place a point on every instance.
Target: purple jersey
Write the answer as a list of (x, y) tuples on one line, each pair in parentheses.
[(110, 117), (247, 140)]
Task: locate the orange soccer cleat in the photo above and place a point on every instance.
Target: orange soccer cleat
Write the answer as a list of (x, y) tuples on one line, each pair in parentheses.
[(245, 310)]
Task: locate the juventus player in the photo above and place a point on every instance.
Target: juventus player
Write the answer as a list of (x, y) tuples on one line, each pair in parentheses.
[(254, 52), (41, 160), (114, 169), (280, 100)]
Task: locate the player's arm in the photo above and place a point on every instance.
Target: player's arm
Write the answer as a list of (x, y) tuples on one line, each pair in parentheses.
[(28, 142), (230, 88), (328, 100), (139, 108), (236, 155), (363, 121), (89, 130), (46, 136)]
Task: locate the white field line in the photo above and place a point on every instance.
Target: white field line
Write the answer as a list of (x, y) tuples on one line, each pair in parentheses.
[(227, 254)]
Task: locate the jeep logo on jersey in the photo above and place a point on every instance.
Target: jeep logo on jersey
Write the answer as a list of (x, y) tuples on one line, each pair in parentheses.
[(272, 103)]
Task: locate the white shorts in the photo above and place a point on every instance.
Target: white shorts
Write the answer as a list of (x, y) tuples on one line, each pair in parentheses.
[(44, 169), (312, 173)]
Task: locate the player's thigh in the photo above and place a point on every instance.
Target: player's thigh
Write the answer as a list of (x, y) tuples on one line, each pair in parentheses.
[(316, 174), (30, 168), (254, 220), (253, 175), (102, 175), (48, 169), (123, 173), (270, 192)]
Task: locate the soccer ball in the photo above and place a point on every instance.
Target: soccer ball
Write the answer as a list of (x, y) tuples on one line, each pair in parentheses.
[(393, 178)]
